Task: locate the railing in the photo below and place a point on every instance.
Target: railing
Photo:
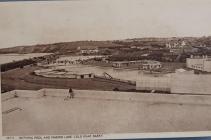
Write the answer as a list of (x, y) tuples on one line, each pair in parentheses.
[(11, 110), (117, 80)]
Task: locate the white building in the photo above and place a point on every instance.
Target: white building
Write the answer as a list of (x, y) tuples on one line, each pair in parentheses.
[(90, 51), (176, 45), (122, 64), (150, 65), (199, 63), (142, 64)]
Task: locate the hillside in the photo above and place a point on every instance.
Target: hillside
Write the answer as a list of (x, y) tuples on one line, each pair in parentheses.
[(58, 47), (65, 47), (193, 41)]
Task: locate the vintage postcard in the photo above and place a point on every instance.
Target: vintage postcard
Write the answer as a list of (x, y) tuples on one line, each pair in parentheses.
[(102, 69)]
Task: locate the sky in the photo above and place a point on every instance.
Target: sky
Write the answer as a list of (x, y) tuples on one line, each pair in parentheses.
[(40, 22)]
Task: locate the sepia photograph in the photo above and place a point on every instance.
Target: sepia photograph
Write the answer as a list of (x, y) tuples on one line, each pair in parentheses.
[(105, 67)]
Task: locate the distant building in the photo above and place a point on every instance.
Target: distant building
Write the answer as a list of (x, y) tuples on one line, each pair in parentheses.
[(89, 51), (146, 54), (176, 50), (120, 64), (133, 47), (182, 47), (150, 65), (142, 64), (79, 48), (201, 63), (176, 47)]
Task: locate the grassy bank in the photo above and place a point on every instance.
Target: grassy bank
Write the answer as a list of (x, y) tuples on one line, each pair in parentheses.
[(25, 80)]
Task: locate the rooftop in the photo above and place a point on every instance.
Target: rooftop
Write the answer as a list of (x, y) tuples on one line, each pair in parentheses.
[(102, 112)]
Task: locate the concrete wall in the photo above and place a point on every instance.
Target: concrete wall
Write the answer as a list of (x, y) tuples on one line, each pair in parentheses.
[(153, 83), (21, 93), (179, 83), (191, 84), (55, 92), (112, 95), (207, 66), (28, 93), (35, 93)]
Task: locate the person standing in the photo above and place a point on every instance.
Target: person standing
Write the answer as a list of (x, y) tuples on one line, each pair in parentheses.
[(71, 93)]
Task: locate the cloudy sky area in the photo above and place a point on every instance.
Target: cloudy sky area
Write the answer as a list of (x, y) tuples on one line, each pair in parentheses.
[(36, 22)]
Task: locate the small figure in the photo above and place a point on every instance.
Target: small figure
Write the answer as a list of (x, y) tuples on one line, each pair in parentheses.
[(71, 93)]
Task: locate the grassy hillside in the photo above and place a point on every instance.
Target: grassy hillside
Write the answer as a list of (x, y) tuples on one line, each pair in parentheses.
[(64, 47), (58, 47)]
